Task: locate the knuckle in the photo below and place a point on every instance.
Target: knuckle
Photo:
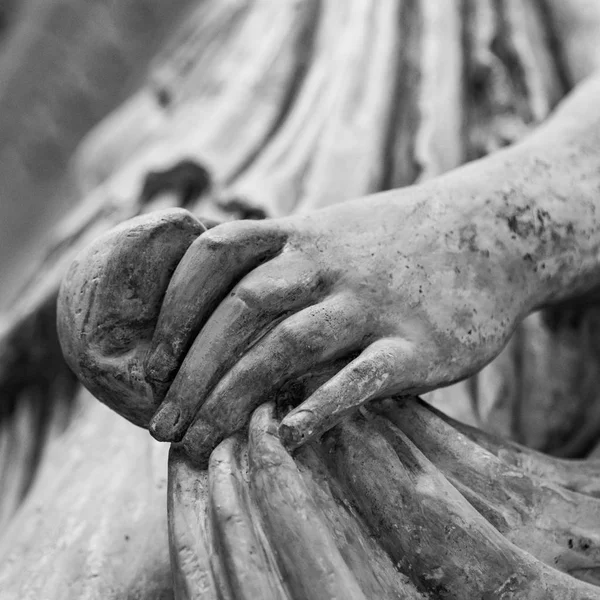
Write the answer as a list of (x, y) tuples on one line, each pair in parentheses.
[(252, 294), (362, 369), (214, 240), (262, 288), (300, 339), (372, 364), (287, 334), (227, 235)]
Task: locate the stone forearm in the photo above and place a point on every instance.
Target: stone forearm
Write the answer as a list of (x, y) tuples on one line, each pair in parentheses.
[(535, 205), (562, 185)]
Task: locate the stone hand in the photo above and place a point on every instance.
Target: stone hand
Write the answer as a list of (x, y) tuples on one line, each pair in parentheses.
[(403, 290), (109, 303)]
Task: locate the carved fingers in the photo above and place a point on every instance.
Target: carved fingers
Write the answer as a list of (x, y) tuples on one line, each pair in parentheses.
[(214, 263), (187, 331), (245, 314), (384, 367), (299, 343), (263, 298)]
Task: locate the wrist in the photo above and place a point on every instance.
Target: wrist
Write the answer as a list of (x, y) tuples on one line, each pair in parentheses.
[(534, 207)]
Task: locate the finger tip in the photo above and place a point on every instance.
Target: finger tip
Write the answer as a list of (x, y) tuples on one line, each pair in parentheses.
[(164, 425), (289, 437), (294, 431)]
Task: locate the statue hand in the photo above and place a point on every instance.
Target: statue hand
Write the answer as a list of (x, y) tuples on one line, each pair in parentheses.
[(109, 302), (410, 293)]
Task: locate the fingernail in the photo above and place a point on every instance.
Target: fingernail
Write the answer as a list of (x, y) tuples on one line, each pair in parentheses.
[(163, 426), (296, 428), (159, 364)]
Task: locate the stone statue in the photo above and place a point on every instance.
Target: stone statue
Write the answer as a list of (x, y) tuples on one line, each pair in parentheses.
[(282, 357)]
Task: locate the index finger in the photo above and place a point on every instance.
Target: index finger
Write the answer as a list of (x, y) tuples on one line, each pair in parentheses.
[(210, 268)]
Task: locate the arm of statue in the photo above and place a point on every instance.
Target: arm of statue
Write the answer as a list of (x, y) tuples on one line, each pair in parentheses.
[(405, 291)]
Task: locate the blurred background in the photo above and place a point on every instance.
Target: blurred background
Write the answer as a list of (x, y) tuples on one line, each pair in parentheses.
[(64, 64)]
